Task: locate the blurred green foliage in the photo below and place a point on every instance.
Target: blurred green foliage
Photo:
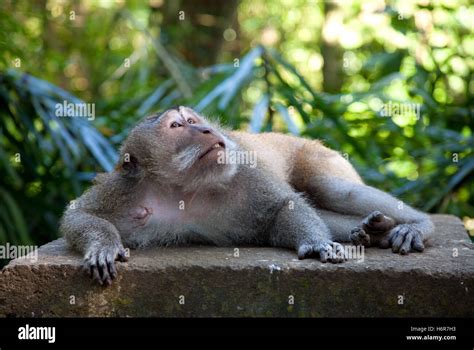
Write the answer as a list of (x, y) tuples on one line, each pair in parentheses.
[(267, 71)]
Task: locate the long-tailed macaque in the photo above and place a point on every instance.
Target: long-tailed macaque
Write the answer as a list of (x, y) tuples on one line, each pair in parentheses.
[(183, 180)]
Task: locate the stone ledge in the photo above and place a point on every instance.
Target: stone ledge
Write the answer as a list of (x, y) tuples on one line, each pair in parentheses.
[(257, 283)]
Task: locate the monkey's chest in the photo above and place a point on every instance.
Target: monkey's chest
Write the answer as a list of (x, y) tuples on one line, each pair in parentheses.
[(153, 211), (164, 220), (173, 221)]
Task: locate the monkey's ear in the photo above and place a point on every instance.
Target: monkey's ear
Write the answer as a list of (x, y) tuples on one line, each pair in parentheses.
[(129, 166)]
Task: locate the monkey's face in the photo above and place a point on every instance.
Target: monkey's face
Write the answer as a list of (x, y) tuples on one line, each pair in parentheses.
[(181, 147)]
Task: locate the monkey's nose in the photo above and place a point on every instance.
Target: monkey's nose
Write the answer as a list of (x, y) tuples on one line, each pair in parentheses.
[(202, 129)]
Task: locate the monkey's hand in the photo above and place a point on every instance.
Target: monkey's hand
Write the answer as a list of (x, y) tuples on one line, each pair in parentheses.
[(404, 238), (328, 251), (99, 260)]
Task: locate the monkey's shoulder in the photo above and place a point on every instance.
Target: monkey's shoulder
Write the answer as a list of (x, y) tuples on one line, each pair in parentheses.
[(109, 191), (100, 178), (112, 179)]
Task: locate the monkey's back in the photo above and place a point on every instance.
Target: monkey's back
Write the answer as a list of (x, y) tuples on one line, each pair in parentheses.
[(294, 159)]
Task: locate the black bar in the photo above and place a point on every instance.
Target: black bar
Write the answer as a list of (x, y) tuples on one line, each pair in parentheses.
[(336, 331)]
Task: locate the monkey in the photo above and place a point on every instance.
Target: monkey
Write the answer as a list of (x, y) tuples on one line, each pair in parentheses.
[(173, 186)]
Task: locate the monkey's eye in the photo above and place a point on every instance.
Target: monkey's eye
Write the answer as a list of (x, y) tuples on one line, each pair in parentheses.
[(175, 125)]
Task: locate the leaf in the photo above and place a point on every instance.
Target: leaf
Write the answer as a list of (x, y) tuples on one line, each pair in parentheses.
[(95, 143), (258, 114), (16, 217), (240, 76), (287, 118), (455, 180), (384, 63), (59, 143), (232, 83), (317, 98), (154, 97)]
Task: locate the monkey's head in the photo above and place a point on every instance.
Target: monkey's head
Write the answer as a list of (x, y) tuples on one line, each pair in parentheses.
[(178, 148)]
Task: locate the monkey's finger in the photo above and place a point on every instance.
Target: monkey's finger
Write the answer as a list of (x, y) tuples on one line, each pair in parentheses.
[(112, 269), (406, 245), (104, 271), (339, 255), (304, 251), (391, 236), (87, 264), (417, 243), (398, 239), (325, 253), (95, 274), (106, 279)]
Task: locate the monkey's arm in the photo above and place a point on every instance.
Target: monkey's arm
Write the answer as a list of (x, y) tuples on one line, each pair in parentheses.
[(298, 226), (97, 239)]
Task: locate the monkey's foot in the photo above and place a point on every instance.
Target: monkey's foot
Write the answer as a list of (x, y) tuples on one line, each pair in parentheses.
[(404, 238), (373, 229), (377, 224), (358, 236), (327, 251), (99, 261)]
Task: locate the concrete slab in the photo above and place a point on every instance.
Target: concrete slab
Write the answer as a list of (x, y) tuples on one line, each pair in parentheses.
[(208, 281)]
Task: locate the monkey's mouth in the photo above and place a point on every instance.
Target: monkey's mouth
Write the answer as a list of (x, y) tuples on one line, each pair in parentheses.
[(217, 146)]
